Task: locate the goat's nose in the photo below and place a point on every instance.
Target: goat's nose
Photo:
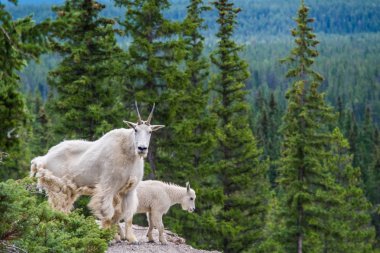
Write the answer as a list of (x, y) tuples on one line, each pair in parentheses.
[(142, 148)]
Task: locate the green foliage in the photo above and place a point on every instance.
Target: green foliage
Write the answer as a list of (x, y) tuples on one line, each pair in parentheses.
[(20, 41), (307, 188), (266, 120), (193, 140), (29, 223), (152, 73), (353, 231), (208, 138), (86, 104), (239, 170)]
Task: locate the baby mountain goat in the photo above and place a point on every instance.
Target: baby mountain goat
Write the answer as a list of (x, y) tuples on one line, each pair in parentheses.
[(155, 199)]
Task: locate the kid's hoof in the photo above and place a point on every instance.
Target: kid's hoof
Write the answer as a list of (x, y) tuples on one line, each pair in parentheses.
[(151, 241)]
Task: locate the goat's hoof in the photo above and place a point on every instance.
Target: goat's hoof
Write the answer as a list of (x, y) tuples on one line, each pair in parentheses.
[(164, 243), (151, 241), (113, 242)]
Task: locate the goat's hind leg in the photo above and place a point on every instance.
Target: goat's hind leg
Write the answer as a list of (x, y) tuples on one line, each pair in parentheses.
[(150, 229), (157, 221)]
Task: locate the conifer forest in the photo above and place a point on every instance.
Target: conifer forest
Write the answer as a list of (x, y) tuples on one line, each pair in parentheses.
[(271, 112)]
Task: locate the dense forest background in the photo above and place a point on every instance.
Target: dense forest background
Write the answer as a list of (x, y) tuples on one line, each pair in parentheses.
[(348, 60), (348, 31)]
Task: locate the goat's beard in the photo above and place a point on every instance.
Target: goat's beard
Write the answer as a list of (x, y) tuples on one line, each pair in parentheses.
[(143, 155)]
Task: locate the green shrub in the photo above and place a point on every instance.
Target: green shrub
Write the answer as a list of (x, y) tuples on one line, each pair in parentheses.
[(27, 222)]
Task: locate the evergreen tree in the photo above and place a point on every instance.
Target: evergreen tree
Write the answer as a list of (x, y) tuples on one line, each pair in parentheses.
[(353, 231), (274, 137), (41, 136), (341, 113), (373, 184), (352, 135), (152, 72), (240, 172), (20, 41), (307, 188), (267, 128), (192, 136), (86, 104), (365, 147)]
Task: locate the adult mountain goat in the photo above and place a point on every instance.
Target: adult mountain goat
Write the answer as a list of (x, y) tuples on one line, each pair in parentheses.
[(155, 199), (108, 169)]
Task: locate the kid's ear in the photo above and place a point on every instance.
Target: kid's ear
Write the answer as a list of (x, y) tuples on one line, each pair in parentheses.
[(130, 124), (156, 127)]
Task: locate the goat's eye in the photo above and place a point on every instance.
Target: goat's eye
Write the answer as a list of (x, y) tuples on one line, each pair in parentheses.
[(191, 198), (135, 130)]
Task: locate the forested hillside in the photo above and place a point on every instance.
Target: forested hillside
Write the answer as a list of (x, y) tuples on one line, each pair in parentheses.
[(272, 109)]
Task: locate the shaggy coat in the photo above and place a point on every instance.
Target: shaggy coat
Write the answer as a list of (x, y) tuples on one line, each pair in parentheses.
[(109, 169), (155, 199)]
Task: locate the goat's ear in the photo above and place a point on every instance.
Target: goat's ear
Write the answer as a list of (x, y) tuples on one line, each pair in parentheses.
[(156, 127), (130, 124), (187, 186)]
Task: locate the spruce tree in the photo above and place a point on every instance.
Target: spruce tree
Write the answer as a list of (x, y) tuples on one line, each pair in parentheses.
[(267, 127), (152, 73), (86, 104), (307, 188), (374, 182), (193, 142), (239, 170), (353, 231), (21, 40), (42, 135), (365, 148)]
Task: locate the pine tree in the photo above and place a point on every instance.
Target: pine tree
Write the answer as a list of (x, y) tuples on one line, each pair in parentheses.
[(193, 142), (267, 128), (240, 172), (274, 137), (365, 147), (374, 182), (20, 41), (152, 71), (86, 104), (41, 136), (353, 231), (307, 188)]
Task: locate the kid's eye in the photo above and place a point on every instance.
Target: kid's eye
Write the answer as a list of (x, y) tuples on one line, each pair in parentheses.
[(191, 198)]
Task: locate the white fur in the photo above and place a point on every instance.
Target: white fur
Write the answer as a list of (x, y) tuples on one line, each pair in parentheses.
[(109, 169), (155, 199)]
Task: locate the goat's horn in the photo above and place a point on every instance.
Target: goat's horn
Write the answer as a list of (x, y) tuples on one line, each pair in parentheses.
[(150, 115), (138, 113)]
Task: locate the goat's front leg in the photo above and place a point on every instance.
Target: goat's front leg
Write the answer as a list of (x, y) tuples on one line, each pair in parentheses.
[(130, 203), (157, 221), (101, 205)]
